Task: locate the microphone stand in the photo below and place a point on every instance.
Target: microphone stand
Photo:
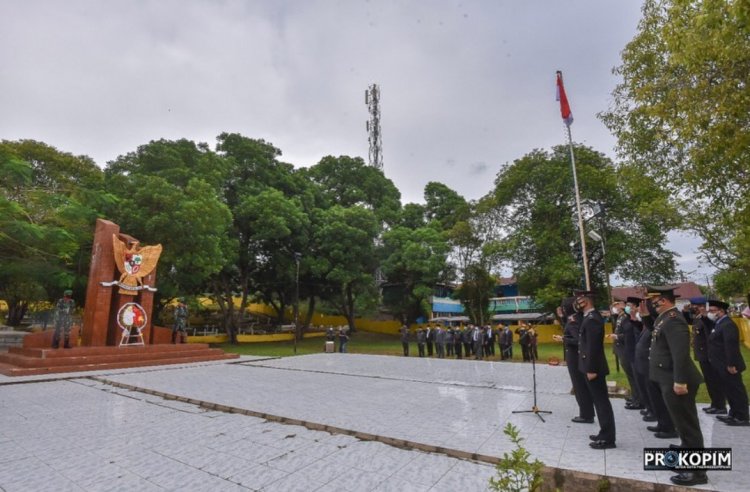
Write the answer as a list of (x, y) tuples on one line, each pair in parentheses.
[(535, 409)]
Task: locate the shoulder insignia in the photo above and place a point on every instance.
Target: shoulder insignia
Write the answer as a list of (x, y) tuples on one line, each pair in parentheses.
[(672, 314)]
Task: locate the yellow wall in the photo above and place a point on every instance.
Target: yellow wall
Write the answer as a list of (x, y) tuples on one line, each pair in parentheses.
[(744, 326), (276, 337)]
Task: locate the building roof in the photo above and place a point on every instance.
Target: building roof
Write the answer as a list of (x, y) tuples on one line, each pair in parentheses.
[(685, 290)]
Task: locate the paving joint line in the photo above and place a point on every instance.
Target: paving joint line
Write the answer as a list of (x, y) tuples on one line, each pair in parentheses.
[(390, 378), (618, 483)]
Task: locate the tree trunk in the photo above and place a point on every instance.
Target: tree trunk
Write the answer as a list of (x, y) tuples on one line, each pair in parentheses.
[(350, 308), (310, 313), (16, 311)]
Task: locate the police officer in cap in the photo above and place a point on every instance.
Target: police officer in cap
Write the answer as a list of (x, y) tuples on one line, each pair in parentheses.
[(572, 323), (724, 354), (672, 369), (592, 362)]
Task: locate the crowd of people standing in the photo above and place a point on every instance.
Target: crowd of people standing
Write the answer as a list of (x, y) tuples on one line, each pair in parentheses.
[(470, 341), (652, 340)]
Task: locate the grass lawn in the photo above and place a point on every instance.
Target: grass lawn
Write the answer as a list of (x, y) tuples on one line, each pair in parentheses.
[(380, 344)]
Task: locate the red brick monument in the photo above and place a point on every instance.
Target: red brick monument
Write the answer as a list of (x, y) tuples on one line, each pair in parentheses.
[(117, 326)]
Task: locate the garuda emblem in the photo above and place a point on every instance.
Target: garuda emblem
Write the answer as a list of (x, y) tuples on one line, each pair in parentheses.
[(134, 263)]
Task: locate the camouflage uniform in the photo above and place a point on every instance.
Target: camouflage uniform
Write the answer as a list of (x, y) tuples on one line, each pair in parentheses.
[(180, 320), (63, 320)]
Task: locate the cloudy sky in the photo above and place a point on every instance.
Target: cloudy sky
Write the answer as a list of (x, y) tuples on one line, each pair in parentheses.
[(467, 86)]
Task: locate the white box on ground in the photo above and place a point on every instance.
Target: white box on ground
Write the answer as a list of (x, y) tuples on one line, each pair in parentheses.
[(329, 347)]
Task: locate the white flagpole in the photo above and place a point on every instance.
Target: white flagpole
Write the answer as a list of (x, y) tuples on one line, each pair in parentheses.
[(578, 208)]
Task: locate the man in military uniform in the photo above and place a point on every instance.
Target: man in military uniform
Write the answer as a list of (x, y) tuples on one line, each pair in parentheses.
[(695, 314), (180, 324), (63, 319), (672, 369), (429, 336), (724, 354), (592, 363), (572, 323), (664, 428)]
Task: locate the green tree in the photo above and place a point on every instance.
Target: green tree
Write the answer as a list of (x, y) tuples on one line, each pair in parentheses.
[(348, 181), (169, 193), (535, 204), (444, 205), (270, 204), (414, 260), (48, 202), (681, 120), (345, 246)]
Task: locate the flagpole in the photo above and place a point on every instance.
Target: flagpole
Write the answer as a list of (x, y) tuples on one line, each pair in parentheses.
[(578, 208)]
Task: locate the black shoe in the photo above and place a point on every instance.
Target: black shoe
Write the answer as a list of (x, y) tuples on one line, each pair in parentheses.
[(600, 444), (666, 435), (645, 411), (595, 437), (709, 409), (689, 478), (650, 418), (653, 428), (716, 411), (582, 420), (636, 406), (737, 422), (675, 446), (724, 418)]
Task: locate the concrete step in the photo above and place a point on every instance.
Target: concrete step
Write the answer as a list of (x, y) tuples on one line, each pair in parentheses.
[(50, 353), (13, 370), (79, 358)]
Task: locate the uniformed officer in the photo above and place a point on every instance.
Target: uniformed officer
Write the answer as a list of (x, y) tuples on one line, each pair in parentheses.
[(672, 369), (624, 341), (421, 341), (572, 322), (592, 363), (724, 354), (63, 319), (696, 314), (180, 324), (664, 428), (405, 339)]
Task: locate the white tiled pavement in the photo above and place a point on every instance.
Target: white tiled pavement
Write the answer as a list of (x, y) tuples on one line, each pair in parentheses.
[(83, 433)]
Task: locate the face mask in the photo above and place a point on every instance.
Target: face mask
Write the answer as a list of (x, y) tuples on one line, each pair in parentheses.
[(627, 310), (615, 310), (651, 310), (638, 316), (713, 316)]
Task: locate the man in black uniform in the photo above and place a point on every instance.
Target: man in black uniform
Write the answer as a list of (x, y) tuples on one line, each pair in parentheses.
[(624, 341), (592, 363), (405, 339), (724, 354), (696, 315), (429, 336), (672, 369), (572, 322)]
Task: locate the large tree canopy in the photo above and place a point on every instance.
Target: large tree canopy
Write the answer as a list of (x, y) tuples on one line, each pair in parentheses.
[(535, 203), (681, 117), (48, 202)]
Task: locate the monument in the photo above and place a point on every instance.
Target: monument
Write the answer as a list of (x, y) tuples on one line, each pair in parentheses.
[(118, 329), (122, 273)]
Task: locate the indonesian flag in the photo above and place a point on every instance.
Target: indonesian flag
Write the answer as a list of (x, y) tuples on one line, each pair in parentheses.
[(567, 115)]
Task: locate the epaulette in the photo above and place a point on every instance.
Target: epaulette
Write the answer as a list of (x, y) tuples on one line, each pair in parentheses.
[(673, 314)]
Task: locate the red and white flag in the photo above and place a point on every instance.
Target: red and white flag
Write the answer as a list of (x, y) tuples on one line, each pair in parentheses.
[(565, 112)]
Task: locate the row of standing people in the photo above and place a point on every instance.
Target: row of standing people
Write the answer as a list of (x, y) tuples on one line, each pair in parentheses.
[(339, 338), (471, 341), (652, 341)]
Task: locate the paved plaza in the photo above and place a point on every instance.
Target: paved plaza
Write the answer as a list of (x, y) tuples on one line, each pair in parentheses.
[(86, 432)]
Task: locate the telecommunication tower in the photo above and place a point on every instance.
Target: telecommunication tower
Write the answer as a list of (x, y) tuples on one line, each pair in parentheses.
[(372, 99)]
